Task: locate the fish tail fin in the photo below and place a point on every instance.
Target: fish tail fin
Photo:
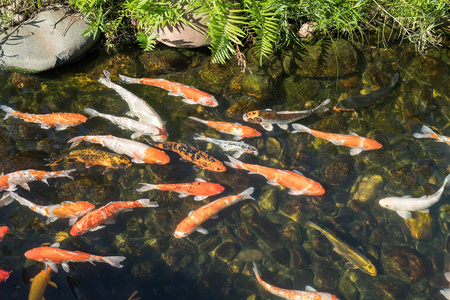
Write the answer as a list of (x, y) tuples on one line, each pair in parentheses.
[(67, 173), (255, 269), (446, 181), (147, 187), (91, 112), (106, 80), (247, 193), (6, 199), (114, 260), (313, 225), (300, 128), (21, 200), (147, 203), (321, 107), (426, 132), (197, 119), (8, 110), (199, 137), (126, 79), (234, 163), (75, 141)]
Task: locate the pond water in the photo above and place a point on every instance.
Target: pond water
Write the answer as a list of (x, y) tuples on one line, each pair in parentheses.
[(411, 256)]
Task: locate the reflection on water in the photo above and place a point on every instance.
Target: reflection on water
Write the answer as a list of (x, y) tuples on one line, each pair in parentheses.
[(410, 255)]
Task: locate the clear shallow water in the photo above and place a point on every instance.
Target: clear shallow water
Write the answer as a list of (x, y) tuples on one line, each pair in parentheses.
[(208, 267)]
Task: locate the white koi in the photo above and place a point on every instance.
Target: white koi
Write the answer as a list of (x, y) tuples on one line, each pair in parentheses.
[(427, 133), (238, 148)]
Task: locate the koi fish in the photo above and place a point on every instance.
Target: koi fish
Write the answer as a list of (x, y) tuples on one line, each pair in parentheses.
[(139, 128), (192, 154), (4, 275), (405, 205), (65, 210), (428, 133), (355, 259), (295, 181), (93, 157), (190, 94), (21, 178), (354, 102), (39, 284), (309, 294), (51, 256), (139, 152), (138, 107), (59, 121), (282, 118), (239, 131), (105, 215), (446, 292), (238, 148), (356, 143), (200, 188), (3, 231), (196, 218)]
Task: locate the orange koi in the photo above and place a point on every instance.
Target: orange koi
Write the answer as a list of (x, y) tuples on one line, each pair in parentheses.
[(190, 94), (196, 218), (3, 231), (139, 152), (93, 157), (59, 121), (192, 154), (309, 294), (200, 188), (4, 275), (239, 131), (51, 256), (21, 178), (295, 181), (105, 215), (65, 210), (428, 133), (39, 284), (354, 141)]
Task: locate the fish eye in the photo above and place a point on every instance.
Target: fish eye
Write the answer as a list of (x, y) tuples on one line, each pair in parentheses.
[(258, 119)]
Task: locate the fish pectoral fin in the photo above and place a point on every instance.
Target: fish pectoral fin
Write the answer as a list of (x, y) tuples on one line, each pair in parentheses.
[(427, 211), (138, 161), (136, 135), (188, 101), (310, 289), (237, 137), (267, 126), (55, 245), (354, 151), (283, 126), (25, 186), (215, 216), (50, 219), (272, 182), (349, 265), (202, 230), (73, 220), (237, 154), (199, 180), (404, 214), (111, 220), (53, 284), (200, 198), (65, 267), (52, 266), (183, 195), (97, 228)]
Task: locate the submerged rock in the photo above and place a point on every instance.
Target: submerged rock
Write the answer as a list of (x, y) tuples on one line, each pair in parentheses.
[(227, 251), (339, 171), (420, 226), (249, 255), (405, 264), (368, 188), (167, 60), (255, 84)]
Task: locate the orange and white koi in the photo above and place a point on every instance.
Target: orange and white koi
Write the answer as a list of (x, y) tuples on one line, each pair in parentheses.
[(239, 131), (21, 178), (139, 152), (427, 132), (190, 94), (356, 143), (295, 181), (4, 275), (65, 210), (309, 294), (3, 231), (200, 188), (192, 154), (238, 148), (196, 218), (138, 107), (105, 215), (51, 256), (93, 157), (59, 121), (139, 128), (39, 284)]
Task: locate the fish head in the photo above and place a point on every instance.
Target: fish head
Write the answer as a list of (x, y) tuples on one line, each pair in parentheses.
[(35, 254), (76, 230), (388, 203), (180, 234), (252, 117), (209, 101), (370, 269)]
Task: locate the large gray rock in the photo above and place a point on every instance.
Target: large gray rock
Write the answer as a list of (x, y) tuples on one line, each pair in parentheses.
[(46, 41)]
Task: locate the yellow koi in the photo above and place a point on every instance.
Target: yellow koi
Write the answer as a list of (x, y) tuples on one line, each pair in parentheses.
[(39, 284)]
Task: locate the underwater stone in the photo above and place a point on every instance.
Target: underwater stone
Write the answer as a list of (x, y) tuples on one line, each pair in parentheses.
[(267, 201), (217, 75), (264, 230), (233, 268), (292, 232), (242, 105), (152, 269), (299, 257), (339, 171), (294, 209), (162, 61), (348, 289), (432, 71), (325, 278), (420, 226), (386, 288), (249, 255), (405, 264), (227, 251), (368, 188), (245, 237), (119, 64), (298, 91), (281, 256), (255, 84), (210, 244)]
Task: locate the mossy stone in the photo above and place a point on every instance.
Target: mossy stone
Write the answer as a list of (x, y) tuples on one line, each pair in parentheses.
[(267, 201), (348, 289), (339, 171), (264, 230), (167, 60), (368, 188), (226, 251), (249, 255), (420, 226), (256, 84), (405, 264)]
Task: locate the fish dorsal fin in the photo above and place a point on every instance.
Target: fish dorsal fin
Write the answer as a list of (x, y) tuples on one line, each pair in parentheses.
[(298, 172), (407, 196), (360, 249), (199, 180), (310, 289), (268, 109), (237, 124), (55, 245), (190, 213), (353, 134)]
